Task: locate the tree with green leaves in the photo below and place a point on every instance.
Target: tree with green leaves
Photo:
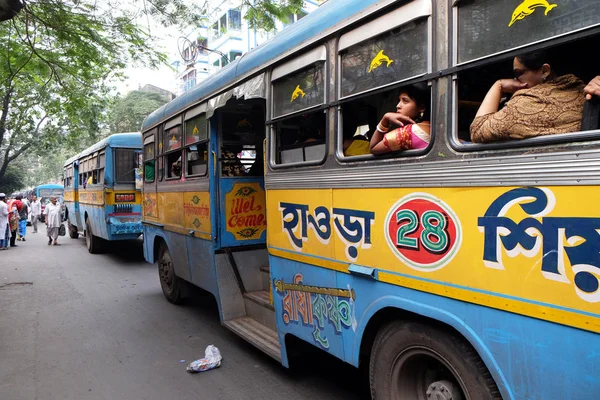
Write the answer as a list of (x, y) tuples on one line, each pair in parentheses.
[(60, 57), (128, 112)]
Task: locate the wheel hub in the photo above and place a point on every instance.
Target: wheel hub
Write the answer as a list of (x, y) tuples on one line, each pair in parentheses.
[(443, 390)]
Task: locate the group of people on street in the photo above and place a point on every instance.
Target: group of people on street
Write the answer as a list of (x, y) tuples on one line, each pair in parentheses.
[(16, 212)]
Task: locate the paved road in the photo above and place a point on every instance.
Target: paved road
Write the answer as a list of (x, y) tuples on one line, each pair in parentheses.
[(78, 326)]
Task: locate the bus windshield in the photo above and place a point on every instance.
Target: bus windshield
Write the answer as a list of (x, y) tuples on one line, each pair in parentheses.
[(125, 165)]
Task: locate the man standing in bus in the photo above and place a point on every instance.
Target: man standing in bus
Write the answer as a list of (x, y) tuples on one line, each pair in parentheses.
[(53, 221), (36, 211)]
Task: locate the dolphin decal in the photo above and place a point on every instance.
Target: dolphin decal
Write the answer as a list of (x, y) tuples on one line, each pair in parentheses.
[(297, 93), (379, 59), (527, 7)]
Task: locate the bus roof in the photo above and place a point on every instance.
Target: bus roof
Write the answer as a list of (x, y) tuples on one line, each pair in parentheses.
[(131, 140), (328, 18)]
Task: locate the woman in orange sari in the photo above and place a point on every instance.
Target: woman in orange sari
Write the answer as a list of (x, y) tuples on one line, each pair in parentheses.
[(407, 128)]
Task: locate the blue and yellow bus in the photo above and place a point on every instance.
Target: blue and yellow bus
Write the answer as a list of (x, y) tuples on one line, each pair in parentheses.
[(45, 192), (457, 271), (101, 197)]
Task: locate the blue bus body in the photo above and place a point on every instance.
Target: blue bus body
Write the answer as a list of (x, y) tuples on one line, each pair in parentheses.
[(528, 357), (100, 190)]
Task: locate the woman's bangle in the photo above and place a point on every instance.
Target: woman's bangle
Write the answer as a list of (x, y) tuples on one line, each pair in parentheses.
[(382, 128)]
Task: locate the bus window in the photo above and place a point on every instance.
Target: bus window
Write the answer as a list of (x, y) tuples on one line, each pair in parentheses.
[(473, 83), (386, 51), (172, 147), (101, 167), (125, 164), (298, 95), (487, 27), (149, 161), (301, 138), (196, 146)]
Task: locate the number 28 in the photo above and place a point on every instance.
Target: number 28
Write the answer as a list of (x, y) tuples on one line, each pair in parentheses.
[(434, 236)]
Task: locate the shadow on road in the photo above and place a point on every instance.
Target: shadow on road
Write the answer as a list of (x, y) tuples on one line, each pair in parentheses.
[(309, 366), (126, 251)]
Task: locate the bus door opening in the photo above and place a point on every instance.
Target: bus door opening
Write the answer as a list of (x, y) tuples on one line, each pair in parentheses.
[(241, 134)]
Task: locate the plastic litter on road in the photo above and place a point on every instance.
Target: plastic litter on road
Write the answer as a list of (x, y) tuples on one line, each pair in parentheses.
[(212, 359)]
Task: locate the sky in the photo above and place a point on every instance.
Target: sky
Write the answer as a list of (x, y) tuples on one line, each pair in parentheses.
[(164, 77)]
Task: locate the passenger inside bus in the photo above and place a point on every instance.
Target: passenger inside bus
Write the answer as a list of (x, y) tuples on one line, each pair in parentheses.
[(543, 102), (408, 127), (231, 165), (175, 171), (593, 88), (356, 136)]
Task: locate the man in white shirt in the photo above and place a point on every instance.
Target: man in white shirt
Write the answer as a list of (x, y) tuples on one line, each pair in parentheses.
[(52, 214), (36, 211), (4, 229)]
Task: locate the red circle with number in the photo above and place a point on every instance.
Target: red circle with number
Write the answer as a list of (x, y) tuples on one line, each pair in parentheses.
[(423, 231)]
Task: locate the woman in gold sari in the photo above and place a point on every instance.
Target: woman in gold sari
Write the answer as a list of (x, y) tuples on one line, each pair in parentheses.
[(542, 103)]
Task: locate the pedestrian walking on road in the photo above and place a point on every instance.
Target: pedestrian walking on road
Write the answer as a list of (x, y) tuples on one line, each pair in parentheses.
[(53, 221), (23, 214), (36, 211), (14, 207), (4, 227)]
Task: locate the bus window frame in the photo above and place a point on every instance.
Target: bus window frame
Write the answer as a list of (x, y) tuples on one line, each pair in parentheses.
[(196, 112), (527, 143), (555, 40), (402, 15), (101, 167), (149, 138), (319, 53), (116, 181), (167, 126)]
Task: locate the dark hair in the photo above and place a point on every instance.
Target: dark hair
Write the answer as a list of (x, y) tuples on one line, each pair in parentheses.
[(535, 59), (19, 197), (420, 94)]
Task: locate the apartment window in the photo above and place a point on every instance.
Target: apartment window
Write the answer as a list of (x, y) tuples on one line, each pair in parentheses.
[(235, 20)]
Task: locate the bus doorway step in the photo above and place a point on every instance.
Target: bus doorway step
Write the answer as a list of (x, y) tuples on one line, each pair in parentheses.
[(260, 336)]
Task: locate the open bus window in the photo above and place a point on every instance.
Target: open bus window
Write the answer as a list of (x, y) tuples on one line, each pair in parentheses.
[(196, 150), (301, 138), (359, 119), (173, 165), (473, 83), (196, 157), (149, 161)]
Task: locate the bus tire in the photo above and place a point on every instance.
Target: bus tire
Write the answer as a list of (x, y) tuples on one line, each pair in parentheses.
[(412, 361), (73, 233), (169, 282), (92, 242)]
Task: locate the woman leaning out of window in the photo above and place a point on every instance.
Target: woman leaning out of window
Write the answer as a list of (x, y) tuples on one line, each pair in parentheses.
[(407, 128), (542, 103)]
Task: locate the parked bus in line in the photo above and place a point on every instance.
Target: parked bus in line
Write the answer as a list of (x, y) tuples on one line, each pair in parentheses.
[(101, 197), (457, 271)]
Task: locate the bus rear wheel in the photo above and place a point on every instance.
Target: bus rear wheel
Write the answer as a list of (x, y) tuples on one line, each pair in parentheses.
[(169, 281), (92, 242), (73, 232), (413, 361)]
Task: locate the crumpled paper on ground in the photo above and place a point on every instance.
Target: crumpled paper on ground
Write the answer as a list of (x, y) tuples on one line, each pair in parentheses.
[(212, 359)]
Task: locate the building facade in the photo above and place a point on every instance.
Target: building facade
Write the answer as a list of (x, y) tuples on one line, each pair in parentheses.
[(225, 37)]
